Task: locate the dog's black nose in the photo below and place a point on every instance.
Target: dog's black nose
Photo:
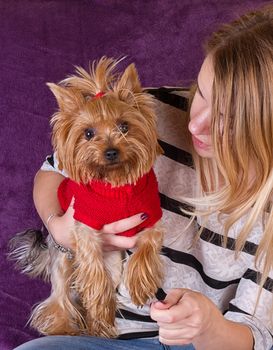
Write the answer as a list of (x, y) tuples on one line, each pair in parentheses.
[(111, 154)]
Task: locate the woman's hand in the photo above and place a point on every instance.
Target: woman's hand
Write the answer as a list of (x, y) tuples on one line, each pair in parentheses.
[(114, 242), (60, 228), (184, 316)]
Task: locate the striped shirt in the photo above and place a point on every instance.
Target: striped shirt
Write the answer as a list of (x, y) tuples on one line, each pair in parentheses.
[(206, 266)]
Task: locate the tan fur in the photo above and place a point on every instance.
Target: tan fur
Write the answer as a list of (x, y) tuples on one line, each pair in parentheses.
[(83, 290), (58, 314), (144, 272), (93, 282)]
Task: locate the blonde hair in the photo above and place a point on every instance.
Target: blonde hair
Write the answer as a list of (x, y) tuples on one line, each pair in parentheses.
[(242, 131)]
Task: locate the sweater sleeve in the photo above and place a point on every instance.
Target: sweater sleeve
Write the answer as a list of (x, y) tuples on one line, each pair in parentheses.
[(242, 307), (51, 164)]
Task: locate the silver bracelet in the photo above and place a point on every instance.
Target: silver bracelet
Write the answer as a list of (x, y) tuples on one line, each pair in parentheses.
[(67, 251), (51, 216)]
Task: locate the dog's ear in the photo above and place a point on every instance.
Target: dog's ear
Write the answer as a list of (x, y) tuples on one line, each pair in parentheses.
[(68, 99), (128, 84)]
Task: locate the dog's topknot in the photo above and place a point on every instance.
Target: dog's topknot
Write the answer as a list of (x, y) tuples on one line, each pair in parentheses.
[(101, 77)]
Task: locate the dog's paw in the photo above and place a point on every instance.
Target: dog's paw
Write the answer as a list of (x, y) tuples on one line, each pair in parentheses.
[(101, 327), (144, 271), (143, 276), (101, 311), (50, 318)]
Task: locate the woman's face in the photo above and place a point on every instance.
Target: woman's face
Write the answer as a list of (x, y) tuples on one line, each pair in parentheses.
[(200, 113)]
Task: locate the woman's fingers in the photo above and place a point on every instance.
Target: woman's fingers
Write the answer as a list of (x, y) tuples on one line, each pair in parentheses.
[(114, 242), (124, 224), (110, 237)]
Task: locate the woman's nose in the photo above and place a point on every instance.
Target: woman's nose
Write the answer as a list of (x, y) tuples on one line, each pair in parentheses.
[(200, 123)]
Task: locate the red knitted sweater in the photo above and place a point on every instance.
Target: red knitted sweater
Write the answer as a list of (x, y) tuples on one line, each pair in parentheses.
[(98, 203)]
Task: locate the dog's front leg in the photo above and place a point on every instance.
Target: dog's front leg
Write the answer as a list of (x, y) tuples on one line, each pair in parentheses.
[(93, 282), (144, 271)]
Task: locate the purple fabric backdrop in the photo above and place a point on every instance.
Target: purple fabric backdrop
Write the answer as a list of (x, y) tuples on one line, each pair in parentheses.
[(41, 41)]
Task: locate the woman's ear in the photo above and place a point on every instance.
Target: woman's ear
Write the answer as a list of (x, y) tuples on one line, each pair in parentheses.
[(128, 84)]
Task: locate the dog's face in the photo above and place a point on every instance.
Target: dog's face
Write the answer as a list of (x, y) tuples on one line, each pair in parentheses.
[(105, 127)]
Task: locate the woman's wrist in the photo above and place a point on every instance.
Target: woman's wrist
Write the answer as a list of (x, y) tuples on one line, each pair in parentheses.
[(49, 219), (52, 225), (53, 236), (225, 334), (69, 253)]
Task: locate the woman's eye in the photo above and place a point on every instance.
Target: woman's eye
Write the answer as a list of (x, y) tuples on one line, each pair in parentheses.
[(89, 133), (123, 127)]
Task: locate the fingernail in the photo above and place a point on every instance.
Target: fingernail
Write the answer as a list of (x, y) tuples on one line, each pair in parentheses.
[(144, 216)]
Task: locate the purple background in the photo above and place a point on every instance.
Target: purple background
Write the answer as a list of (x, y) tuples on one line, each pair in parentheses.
[(41, 41)]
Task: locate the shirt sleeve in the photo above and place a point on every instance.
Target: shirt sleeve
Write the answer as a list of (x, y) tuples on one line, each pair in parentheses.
[(242, 308), (51, 164)]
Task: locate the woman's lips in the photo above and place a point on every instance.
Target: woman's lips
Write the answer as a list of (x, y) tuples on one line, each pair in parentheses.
[(199, 144)]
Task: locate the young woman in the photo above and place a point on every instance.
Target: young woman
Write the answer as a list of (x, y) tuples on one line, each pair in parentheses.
[(219, 269)]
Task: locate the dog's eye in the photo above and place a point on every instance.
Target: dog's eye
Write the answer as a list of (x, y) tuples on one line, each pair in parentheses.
[(89, 133), (123, 127)]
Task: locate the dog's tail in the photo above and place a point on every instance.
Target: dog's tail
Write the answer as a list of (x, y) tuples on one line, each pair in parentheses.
[(30, 252)]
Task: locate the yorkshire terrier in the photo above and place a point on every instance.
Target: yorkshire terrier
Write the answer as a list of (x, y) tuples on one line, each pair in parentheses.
[(104, 136)]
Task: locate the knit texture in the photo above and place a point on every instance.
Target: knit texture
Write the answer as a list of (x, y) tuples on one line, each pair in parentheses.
[(98, 203)]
